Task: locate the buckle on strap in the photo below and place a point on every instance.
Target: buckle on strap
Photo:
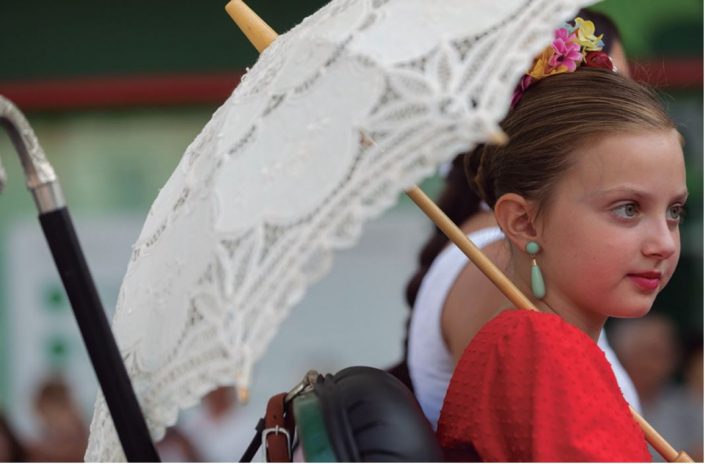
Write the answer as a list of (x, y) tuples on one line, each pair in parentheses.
[(275, 430)]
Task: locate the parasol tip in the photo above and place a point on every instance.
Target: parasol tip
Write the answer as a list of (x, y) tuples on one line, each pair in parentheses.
[(255, 29), (498, 137)]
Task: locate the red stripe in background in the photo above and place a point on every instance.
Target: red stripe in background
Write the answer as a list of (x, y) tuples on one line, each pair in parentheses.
[(673, 73), (214, 88), (120, 91)]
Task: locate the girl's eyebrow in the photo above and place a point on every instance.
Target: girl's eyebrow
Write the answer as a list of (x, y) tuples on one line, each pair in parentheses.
[(637, 193), (626, 191)]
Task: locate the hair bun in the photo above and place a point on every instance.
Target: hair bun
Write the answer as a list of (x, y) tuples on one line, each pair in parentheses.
[(477, 173)]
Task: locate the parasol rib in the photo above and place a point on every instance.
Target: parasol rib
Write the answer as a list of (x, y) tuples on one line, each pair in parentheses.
[(261, 35)]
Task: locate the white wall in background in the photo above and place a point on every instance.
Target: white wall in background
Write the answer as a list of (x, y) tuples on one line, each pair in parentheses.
[(39, 317), (354, 316)]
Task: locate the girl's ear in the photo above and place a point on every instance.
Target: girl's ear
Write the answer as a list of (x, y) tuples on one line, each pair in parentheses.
[(514, 216)]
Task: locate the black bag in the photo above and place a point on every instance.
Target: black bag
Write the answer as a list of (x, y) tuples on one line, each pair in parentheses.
[(360, 414)]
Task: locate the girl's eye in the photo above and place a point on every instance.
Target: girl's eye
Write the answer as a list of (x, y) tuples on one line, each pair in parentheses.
[(676, 213), (626, 211)]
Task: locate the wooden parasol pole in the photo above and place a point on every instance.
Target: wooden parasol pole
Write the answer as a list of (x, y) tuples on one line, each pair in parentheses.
[(462, 241), (261, 35)]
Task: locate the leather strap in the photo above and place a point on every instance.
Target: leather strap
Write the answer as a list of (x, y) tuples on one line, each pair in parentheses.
[(277, 433)]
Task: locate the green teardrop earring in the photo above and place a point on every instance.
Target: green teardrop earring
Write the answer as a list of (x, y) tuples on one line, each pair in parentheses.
[(538, 288)]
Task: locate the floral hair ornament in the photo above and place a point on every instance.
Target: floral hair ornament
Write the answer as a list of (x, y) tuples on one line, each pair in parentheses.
[(573, 45)]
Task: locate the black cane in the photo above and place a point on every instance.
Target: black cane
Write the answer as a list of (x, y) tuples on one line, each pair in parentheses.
[(80, 288)]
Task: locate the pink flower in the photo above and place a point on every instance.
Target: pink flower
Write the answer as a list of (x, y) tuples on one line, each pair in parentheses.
[(566, 52), (563, 34)]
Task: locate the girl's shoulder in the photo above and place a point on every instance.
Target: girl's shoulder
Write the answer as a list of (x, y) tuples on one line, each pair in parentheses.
[(532, 379), (522, 327), (530, 345)]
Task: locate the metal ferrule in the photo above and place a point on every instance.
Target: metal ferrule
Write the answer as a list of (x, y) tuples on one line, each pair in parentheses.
[(48, 197), (41, 179)]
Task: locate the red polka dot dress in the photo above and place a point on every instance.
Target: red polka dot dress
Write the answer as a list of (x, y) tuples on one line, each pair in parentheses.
[(531, 387)]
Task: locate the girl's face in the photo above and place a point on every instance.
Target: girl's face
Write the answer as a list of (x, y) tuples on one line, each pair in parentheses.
[(610, 234)]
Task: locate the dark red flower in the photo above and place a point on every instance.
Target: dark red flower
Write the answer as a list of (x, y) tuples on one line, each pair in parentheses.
[(598, 60)]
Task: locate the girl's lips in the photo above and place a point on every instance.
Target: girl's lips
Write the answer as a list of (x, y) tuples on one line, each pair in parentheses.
[(647, 281)]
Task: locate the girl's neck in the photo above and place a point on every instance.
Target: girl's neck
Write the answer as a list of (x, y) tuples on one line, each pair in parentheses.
[(589, 323), (592, 326)]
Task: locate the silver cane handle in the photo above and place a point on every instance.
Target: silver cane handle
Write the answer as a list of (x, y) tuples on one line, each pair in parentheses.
[(41, 179)]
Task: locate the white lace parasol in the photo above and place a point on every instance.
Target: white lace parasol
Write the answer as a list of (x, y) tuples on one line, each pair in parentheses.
[(338, 116)]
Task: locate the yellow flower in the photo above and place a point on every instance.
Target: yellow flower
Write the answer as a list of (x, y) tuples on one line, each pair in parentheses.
[(586, 35), (542, 67)]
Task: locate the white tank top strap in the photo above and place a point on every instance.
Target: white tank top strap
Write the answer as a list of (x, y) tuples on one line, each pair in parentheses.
[(430, 363)]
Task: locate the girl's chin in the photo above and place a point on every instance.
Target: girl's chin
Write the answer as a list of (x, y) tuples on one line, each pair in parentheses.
[(633, 311), (631, 304)]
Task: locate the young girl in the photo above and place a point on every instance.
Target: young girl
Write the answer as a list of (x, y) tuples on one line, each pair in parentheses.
[(452, 299), (589, 193)]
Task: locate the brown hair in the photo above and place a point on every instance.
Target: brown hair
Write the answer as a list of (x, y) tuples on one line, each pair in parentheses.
[(554, 116)]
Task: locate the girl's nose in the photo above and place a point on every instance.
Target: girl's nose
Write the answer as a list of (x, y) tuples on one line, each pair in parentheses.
[(663, 240)]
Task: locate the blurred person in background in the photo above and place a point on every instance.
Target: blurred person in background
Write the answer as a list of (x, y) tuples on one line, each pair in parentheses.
[(63, 433), (679, 407), (176, 447), (11, 449), (650, 350), (212, 425), (693, 392)]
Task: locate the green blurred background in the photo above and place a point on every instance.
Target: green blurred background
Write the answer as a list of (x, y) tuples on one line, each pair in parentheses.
[(115, 92)]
